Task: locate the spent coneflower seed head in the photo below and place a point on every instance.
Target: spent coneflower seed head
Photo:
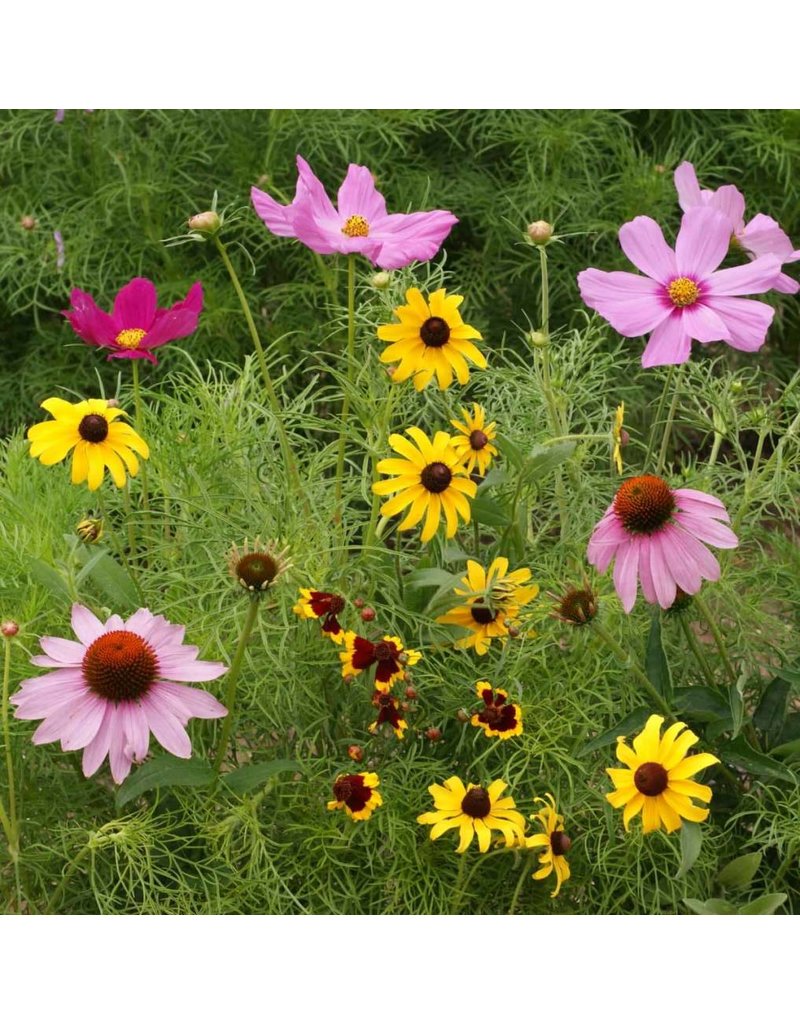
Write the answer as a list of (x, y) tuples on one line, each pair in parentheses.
[(258, 568), (577, 606)]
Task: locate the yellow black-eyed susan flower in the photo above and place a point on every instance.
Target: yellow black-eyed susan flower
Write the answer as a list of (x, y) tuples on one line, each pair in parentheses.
[(553, 842), (473, 440), (475, 811)]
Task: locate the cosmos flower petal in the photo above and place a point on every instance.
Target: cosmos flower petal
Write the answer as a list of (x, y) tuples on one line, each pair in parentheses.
[(757, 276), (135, 305), (642, 241), (687, 186), (669, 344), (702, 242), (746, 320)]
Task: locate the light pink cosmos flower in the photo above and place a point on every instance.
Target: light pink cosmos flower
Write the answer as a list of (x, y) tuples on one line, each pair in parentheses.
[(761, 236), (658, 535), (136, 325), (683, 295), (361, 223), (119, 682)]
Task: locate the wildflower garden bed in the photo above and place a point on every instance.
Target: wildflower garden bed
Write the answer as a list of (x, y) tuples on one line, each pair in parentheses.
[(399, 512)]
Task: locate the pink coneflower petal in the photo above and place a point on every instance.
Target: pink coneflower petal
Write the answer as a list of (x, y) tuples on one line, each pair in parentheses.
[(166, 728), (683, 564), (87, 627), (708, 530), (64, 652), (96, 750), (137, 732), (135, 305), (119, 758), (83, 724), (178, 668), (646, 575), (663, 580), (625, 573), (705, 560), (697, 501), (195, 703)]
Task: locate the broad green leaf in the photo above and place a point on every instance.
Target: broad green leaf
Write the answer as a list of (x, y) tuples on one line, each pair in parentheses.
[(791, 675), (766, 904), (496, 477), (769, 716), (791, 729), (736, 704), (114, 581), (655, 661), (630, 723), (739, 752), (701, 703), (250, 776), (546, 457), (710, 907), (786, 750), (510, 451), (165, 770), (739, 872), (488, 511), (432, 578), (691, 841), (46, 576)]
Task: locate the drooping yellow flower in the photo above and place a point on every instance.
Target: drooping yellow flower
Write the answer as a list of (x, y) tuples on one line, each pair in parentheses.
[(472, 441), (90, 428), (657, 779), (357, 794), (617, 435), (475, 811), (431, 338), (553, 842), (497, 717), (494, 597), (430, 478)]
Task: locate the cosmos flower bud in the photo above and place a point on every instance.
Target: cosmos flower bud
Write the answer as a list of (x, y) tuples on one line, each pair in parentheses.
[(381, 280), (90, 530), (538, 339), (207, 222), (540, 232), (9, 628), (736, 386), (27, 222)]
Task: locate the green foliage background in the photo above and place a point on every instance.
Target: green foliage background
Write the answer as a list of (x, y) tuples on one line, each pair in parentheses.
[(115, 184)]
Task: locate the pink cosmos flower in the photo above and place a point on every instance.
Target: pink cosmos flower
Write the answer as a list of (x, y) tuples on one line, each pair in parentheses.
[(118, 683), (361, 223), (761, 236), (136, 326), (658, 535), (683, 295)]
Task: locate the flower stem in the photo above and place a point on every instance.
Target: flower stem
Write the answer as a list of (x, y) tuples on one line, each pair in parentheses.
[(458, 889), (351, 362), (233, 678), (12, 802), (382, 435), (139, 416), (786, 863), (659, 413), (626, 660), (750, 481), (691, 640), (718, 638), (662, 455), (518, 889), (275, 405)]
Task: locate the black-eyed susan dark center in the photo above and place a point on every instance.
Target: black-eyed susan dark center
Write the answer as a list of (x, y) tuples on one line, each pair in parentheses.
[(120, 666), (644, 503), (683, 291), (650, 778), (93, 428), (130, 337), (257, 570), (478, 440), (476, 803), (356, 226), (436, 477), (560, 843), (435, 332), (481, 614)]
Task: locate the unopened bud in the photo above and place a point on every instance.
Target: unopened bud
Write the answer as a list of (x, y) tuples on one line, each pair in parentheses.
[(402, 658), (367, 614), (355, 753), (404, 705), (624, 437), (540, 232), (538, 339), (433, 734), (736, 386), (90, 530), (513, 631), (9, 628), (462, 716), (208, 222), (411, 693), (660, 169), (381, 280), (359, 602), (348, 679), (27, 222), (112, 403)]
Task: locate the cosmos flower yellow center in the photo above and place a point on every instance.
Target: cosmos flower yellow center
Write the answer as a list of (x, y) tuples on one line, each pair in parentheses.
[(436, 477), (683, 291), (356, 226), (644, 503), (650, 778), (119, 666), (476, 803), (93, 428), (130, 337)]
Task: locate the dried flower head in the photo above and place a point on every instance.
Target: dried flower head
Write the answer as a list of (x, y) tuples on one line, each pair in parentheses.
[(577, 606), (257, 569)]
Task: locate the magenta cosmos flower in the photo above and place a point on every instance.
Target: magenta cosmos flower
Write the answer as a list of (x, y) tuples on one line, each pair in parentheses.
[(117, 684), (361, 223), (136, 325), (683, 295), (658, 535), (761, 236)]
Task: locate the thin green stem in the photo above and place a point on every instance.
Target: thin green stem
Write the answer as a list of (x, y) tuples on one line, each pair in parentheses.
[(518, 889), (712, 458), (458, 891), (12, 800), (665, 439), (383, 431), (659, 413), (118, 548), (476, 538), (275, 405), (628, 662), (691, 640), (718, 638), (750, 482), (139, 415), (58, 892), (786, 863), (232, 680), (351, 364)]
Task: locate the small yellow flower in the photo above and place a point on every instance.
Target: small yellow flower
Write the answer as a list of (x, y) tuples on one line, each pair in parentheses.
[(553, 841), (389, 710), (472, 441), (388, 656), (497, 717), (430, 478), (431, 338), (99, 441), (617, 436), (314, 604), (357, 794), (494, 597), (657, 779), (475, 811)]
